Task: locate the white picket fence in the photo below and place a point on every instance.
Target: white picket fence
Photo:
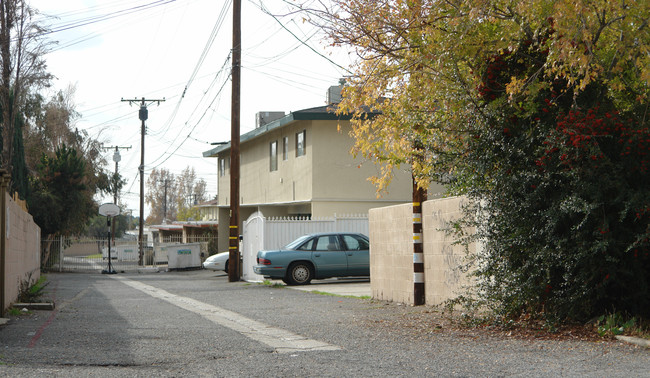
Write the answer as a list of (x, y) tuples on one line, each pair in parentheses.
[(261, 233)]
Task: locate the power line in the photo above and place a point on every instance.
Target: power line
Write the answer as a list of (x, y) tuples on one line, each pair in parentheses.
[(217, 26), (170, 120), (197, 123), (263, 9), (208, 45), (95, 19)]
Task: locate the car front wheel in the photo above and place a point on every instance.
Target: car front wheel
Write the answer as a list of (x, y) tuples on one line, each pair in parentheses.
[(299, 273)]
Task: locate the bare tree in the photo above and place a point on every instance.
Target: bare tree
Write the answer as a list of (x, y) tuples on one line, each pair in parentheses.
[(171, 197), (191, 189), (162, 189)]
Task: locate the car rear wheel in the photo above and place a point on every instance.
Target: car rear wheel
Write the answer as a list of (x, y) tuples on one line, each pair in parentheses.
[(225, 269), (299, 273)]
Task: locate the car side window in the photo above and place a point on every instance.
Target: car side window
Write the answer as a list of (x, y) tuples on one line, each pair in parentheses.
[(327, 243), (307, 246), (355, 243)]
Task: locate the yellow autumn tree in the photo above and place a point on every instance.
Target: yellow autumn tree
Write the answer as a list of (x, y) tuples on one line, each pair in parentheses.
[(419, 64)]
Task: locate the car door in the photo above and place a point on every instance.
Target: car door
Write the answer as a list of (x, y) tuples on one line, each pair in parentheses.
[(358, 254), (329, 257)]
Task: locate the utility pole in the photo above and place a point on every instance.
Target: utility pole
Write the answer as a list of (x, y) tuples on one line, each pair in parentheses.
[(233, 271), (143, 114), (116, 159)]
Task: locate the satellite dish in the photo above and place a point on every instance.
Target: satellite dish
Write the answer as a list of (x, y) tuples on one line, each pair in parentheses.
[(109, 209)]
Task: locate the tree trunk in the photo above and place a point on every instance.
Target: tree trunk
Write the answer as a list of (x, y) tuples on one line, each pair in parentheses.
[(45, 251)]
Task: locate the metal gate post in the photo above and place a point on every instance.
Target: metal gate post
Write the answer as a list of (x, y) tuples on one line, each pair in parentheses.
[(4, 183), (61, 253)]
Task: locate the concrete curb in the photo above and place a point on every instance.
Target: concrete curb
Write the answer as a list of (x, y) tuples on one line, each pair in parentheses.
[(148, 270), (3, 321), (44, 306), (635, 340)]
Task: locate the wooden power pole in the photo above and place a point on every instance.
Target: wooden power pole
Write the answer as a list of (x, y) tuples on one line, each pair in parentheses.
[(233, 245)]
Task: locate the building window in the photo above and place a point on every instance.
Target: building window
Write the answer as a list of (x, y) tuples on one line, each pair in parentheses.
[(222, 167), (300, 143), (285, 148), (274, 155)]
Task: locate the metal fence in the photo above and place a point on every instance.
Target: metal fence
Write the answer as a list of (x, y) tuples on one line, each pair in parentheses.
[(89, 255)]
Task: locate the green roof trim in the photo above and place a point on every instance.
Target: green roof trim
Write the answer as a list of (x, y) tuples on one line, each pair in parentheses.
[(320, 113)]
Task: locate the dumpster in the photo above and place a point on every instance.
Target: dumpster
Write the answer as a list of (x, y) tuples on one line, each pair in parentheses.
[(122, 252), (160, 254), (127, 252), (183, 255), (105, 253)]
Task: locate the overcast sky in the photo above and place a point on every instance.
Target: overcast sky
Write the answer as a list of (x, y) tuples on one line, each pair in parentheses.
[(126, 49)]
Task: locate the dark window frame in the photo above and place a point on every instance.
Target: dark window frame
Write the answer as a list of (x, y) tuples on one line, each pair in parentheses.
[(301, 143), (273, 156), (285, 148)]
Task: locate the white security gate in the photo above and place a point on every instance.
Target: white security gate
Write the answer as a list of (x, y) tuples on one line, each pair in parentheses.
[(253, 242), (262, 233), (73, 254)]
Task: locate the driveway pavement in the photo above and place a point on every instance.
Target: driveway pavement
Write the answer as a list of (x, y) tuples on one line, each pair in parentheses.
[(197, 324), (354, 287)]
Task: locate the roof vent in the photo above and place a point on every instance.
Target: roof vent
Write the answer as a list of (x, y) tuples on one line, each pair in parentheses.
[(262, 118)]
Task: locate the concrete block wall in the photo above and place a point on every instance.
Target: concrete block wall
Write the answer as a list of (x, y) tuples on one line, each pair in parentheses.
[(23, 254), (442, 259), (391, 252)]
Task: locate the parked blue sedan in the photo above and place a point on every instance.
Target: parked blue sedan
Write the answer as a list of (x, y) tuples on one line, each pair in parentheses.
[(317, 256)]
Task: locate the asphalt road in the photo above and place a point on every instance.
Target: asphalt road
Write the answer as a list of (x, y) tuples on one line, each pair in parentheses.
[(195, 323)]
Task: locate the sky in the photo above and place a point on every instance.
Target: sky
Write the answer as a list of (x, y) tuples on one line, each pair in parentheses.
[(179, 50)]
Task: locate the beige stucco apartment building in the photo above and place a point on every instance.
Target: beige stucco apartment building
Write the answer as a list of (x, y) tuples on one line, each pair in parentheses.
[(300, 164)]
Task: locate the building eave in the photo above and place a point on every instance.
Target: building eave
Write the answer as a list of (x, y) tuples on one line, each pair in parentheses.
[(320, 113)]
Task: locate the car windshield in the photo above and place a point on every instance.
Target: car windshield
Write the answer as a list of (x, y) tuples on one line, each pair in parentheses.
[(296, 243)]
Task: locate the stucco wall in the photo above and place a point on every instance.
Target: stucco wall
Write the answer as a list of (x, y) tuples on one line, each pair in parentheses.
[(391, 252), (22, 250), (258, 185), (338, 175)]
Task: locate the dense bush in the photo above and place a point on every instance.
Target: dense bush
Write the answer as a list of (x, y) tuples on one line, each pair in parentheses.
[(563, 196), (538, 110)]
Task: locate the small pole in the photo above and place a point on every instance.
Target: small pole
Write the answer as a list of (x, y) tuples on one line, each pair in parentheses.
[(61, 253), (109, 210), (110, 269), (116, 159)]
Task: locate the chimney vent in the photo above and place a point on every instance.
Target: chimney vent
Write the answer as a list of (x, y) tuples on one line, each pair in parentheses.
[(262, 118), (333, 95)]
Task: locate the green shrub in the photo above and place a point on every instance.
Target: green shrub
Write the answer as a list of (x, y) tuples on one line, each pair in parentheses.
[(31, 293), (562, 197)]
